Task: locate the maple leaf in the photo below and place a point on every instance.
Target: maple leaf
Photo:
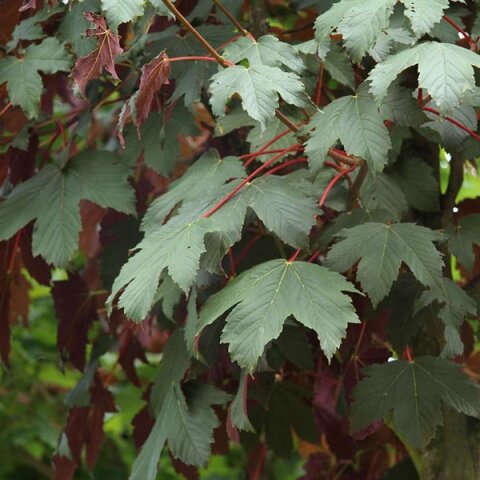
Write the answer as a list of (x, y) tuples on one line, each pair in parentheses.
[(356, 122), (69, 296), (108, 49), (445, 72), (154, 75), (186, 421), (311, 293), (52, 198), (362, 25), (267, 50), (24, 83), (259, 86), (414, 392), (208, 173), (175, 247), (381, 250), (462, 237)]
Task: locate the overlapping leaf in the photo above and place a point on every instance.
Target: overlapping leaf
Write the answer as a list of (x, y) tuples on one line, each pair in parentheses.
[(208, 173), (175, 247), (356, 122), (413, 392), (462, 237), (456, 305), (381, 249), (361, 24), (267, 50), (264, 296), (24, 83), (445, 72), (52, 197), (259, 86), (186, 423)]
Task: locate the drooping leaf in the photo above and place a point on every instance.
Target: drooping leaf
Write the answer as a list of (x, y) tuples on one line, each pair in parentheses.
[(72, 336), (52, 199), (176, 247), (381, 249), (185, 421), (154, 76), (238, 408), (400, 107), (462, 237), (382, 193), (24, 83), (287, 397), (356, 122), (418, 183), (456, 305), (108, 49), (445, 72), (413, 392), (264, 296), (259, 86)]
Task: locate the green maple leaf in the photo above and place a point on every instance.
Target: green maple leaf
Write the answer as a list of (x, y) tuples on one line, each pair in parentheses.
[(259, 86), (264, 296), (362, 24), (456, 305), (175, 247), (283, 208), (382, 193), (381, 250), (462, 237), (424, 14), (445, 72), (267, 50), (52, 197), (207, 174), (418, 183), (24, 83), (121, 11), (356, 122), (414, 392), (186, 423)]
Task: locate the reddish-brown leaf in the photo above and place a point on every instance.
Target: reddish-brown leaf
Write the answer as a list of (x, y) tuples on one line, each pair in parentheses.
[(8, 278), (130, 349), (85, 424), (76, 311), (37, 267), (21, 163), (8, 19), (154, 76), (91, 66), (63, 467), (91, 215)]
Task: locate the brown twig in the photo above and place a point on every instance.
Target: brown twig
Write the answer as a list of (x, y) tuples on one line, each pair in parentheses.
[(232, 18), (198, 36)]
